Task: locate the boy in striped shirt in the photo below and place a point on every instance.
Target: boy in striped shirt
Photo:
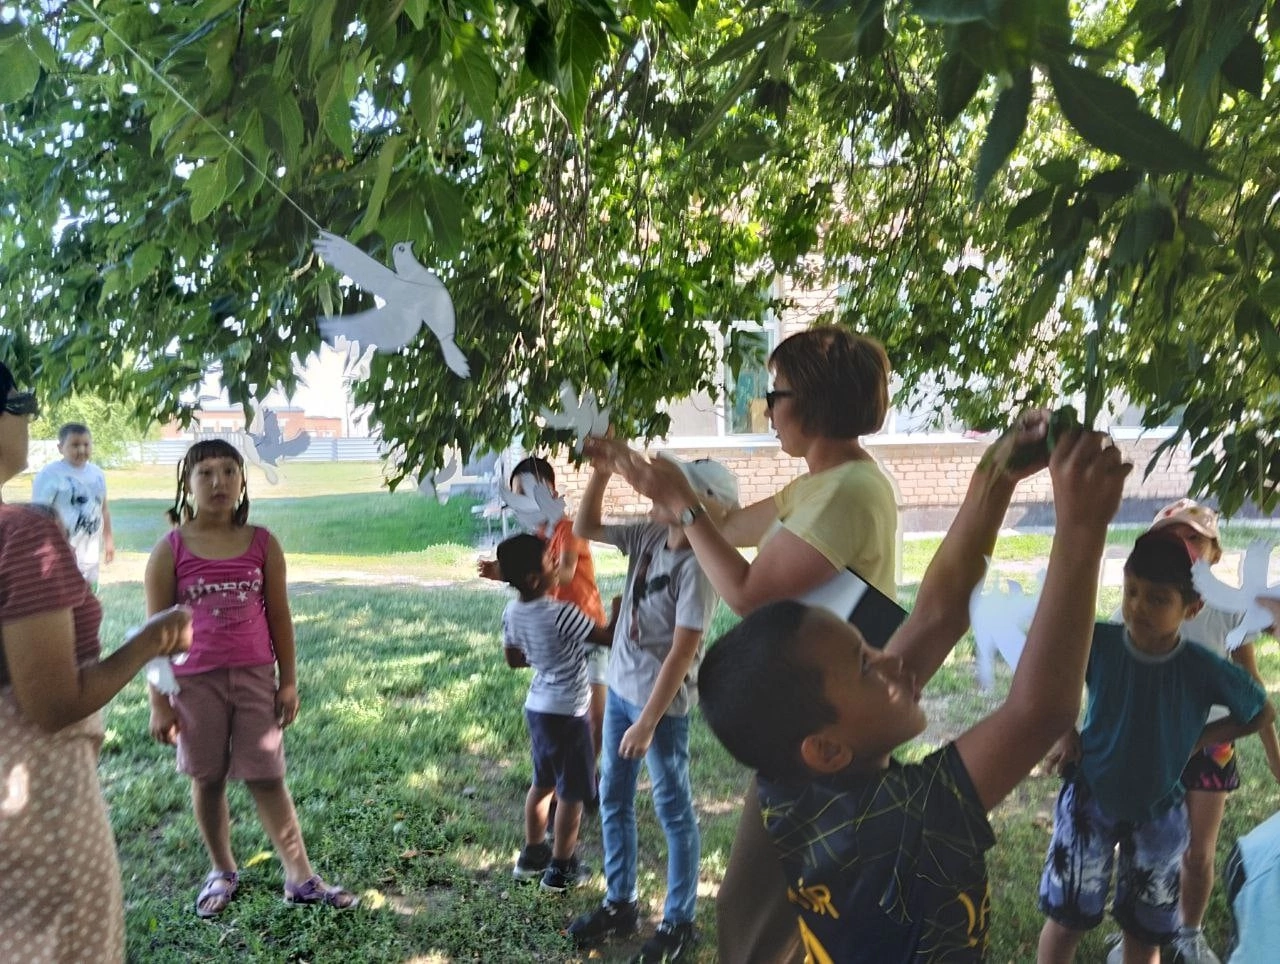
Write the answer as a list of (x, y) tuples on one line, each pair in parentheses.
[(550, 636)]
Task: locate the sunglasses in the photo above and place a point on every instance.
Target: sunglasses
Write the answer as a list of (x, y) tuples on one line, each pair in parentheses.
[(771, 398), (23, 403)]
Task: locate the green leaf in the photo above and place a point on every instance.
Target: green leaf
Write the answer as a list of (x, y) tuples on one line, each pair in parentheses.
[(21, 71), (207, 188), (1116, 182), (958, 80), (1061, 170), (473, 72), (837, 39), (387, 158), (955, 11), (1139, 231), (1244, 66), (446, 210), (320, 22), (145, 258), (1008, 121), (336, 118), (584, 46), (1029, 207), (748, 41), (417, 11), (1106, 113), (749, 76), (540, 47)]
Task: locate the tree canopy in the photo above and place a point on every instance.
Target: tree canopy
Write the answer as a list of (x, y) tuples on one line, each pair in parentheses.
[(1025, 199)]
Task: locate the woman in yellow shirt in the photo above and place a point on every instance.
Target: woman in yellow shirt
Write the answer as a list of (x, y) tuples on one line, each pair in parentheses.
[(831, 387)]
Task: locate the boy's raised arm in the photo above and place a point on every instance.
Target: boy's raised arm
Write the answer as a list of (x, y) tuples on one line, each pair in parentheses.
[(941, 613), (588, 523), (1044, 698)]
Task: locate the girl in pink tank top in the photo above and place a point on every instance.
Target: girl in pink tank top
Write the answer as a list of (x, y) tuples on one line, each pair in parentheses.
[(238, 688)]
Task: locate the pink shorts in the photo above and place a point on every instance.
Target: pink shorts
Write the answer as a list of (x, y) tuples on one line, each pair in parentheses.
[(227, 728)]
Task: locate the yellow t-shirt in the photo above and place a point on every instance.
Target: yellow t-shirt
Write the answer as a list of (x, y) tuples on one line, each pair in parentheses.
[(849, 514)]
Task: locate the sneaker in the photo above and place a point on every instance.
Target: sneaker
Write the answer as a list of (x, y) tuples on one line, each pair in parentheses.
[(1190, 947), (533, 861), (607, 920), (668, 943), (563, 874)]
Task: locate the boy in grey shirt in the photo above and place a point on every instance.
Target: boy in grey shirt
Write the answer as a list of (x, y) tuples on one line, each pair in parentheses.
[(653, 667)]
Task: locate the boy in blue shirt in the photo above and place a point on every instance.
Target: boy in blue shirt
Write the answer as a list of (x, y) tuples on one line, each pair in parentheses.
[(551, 636), (885, 862), (1150, 693)]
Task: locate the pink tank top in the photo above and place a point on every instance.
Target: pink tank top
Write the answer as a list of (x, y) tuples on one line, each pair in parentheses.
[(229, 621)]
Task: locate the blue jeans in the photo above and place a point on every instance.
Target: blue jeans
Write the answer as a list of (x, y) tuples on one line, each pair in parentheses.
[(668, 763)]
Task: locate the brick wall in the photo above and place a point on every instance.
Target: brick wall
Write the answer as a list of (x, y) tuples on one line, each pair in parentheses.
[(930, 478)]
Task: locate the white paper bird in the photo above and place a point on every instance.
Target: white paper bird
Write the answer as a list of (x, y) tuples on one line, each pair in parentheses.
[(534, 505), (580, 414), (1254, 572), (160, 674), (243, 441), (437, 484), (410, 297), (1000, 619)]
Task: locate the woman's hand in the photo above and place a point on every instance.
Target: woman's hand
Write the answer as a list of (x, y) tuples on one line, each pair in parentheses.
[(286, 703), (488, 569), (168, 631)]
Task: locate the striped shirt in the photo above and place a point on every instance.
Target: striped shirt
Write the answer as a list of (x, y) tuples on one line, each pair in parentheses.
[(38, 574), (553, 637)]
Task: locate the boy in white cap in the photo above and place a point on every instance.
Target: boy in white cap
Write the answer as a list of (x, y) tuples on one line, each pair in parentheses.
[(653, 666)]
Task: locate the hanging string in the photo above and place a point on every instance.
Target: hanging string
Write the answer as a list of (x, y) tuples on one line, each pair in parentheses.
[(164, 82)]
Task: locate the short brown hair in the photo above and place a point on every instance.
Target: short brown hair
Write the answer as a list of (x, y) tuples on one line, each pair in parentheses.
[(840, 380)]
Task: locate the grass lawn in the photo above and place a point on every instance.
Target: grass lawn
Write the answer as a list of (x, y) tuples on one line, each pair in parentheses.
[(409, 762)]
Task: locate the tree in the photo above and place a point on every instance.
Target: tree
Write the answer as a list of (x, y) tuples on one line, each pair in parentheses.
[(596, 181)]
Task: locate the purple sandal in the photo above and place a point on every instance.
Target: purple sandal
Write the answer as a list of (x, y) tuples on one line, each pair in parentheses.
[(315, 891), (219, 887)]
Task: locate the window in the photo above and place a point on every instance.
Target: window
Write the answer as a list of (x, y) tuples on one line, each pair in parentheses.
[(739, 414)]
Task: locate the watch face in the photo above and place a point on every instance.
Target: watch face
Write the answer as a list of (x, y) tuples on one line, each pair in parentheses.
[(686, 516)]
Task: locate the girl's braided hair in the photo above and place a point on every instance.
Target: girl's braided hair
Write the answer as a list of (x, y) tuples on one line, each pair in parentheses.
[(183, 509)]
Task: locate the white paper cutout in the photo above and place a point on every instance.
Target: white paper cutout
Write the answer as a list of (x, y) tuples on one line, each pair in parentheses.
[(160, 675), (436, 485), (271, 445), (581, 415), (408, 298), (1254, 571), (245, 445), (534, 508), (1000, 619)]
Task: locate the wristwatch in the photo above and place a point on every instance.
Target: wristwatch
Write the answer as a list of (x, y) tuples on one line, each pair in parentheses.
[(688, 515)]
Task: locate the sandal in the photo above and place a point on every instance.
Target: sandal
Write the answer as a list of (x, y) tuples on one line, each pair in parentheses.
[(315, 891), (216, 893)]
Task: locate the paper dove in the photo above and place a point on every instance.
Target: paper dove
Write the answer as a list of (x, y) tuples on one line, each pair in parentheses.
[(437, 484), (1253, 578), (534, 508), (1000, 620), (243, 441), (410, 296), (272, 445), (160, 675), (583, 416)]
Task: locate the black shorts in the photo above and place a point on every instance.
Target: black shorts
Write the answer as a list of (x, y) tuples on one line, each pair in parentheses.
[(1212, 769), (563, 756)]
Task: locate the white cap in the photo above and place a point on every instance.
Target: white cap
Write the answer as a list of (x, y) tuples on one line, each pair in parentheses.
[(710, 480)]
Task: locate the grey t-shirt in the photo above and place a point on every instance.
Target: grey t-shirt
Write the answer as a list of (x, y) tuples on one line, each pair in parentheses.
[(665, 589)]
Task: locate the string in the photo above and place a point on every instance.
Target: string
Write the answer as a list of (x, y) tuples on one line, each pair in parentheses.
[(164, 82)]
